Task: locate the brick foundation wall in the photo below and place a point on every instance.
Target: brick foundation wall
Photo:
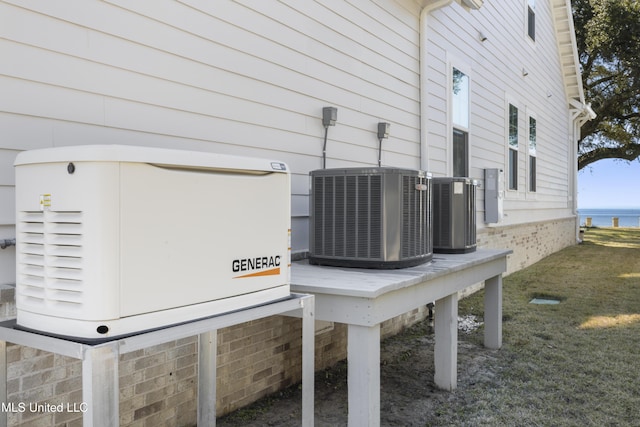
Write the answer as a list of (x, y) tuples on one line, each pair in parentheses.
[(158, 385), (256, 359), (530, 242), (36, 377)]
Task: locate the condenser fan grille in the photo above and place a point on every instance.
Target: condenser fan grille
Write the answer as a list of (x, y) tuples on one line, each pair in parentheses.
[(371, 217), (454, 215), (416, 218), (348, 216)]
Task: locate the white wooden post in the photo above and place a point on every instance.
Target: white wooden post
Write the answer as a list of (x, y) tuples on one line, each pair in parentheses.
[(308, 362), (446, 346), (100, 386), (493, 312), (207, 352), (3, 380), (363, 355)]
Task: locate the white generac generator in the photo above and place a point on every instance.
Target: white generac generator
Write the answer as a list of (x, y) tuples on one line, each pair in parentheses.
[(113, 240)]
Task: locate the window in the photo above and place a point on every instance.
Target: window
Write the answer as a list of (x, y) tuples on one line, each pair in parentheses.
[(460, 99), (460, 121), (531, 19), (513, 147), (460, 149), (532, 154)]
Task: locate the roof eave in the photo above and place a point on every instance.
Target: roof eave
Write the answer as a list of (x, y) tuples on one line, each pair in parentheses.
[(569, 60)]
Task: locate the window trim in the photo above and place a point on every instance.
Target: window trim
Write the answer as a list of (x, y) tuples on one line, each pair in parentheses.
[(460, 126), (530, 21), (532, 155), (465, 69), (512, 151)]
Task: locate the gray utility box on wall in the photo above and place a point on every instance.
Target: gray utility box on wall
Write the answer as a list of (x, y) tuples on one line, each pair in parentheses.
[(454, 215), (371, 217), (493, 195)]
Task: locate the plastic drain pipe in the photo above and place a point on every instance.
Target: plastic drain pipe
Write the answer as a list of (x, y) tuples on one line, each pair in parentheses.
[(427, 8), (5, 243)]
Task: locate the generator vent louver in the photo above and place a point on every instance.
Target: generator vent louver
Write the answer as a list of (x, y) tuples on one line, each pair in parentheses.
[(370, 217), (50, 260)]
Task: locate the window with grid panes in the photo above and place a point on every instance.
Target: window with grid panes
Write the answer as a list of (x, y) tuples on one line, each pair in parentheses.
[(513, 148)]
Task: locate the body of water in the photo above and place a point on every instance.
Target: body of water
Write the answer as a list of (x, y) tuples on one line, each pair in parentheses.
[(602, 217)]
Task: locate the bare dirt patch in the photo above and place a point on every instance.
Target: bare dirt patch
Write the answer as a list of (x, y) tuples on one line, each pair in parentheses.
[(408, 395)]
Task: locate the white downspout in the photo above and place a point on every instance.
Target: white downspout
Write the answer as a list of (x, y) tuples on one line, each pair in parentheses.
[(581, 113), (579, 117), (427, 8), (574, 172)]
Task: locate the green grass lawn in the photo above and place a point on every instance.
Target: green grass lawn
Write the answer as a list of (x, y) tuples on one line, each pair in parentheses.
[(576, 363)]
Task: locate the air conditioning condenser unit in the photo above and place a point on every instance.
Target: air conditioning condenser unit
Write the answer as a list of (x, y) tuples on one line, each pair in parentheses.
[(454, 215), (114, 240), (370, 217)]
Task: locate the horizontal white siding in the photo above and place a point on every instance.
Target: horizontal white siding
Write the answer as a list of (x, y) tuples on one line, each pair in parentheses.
[(239, 77), (7, 214), (496, 74), (7, 257), (7, 157), (251, 78)]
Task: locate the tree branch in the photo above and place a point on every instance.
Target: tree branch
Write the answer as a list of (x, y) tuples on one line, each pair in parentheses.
[(599, 81), (626, 152)]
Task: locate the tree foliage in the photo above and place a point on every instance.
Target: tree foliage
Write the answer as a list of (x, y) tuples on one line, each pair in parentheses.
[(608, 39)]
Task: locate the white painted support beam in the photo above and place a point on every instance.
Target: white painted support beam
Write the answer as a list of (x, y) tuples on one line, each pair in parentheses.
[(307, 312), (100, 386), (308, 362), (363, 375), (207, 352), (493, 312), (3, 381), (446, 342)]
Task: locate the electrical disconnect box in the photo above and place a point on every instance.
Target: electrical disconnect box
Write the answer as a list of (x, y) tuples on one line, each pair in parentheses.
[(493, 195)]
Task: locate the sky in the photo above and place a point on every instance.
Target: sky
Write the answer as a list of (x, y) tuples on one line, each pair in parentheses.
[(609, 184)]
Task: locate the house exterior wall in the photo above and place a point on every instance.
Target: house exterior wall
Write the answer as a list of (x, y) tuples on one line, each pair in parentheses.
[(233, 77), (251, 78), (495, 68), (209, 81)]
